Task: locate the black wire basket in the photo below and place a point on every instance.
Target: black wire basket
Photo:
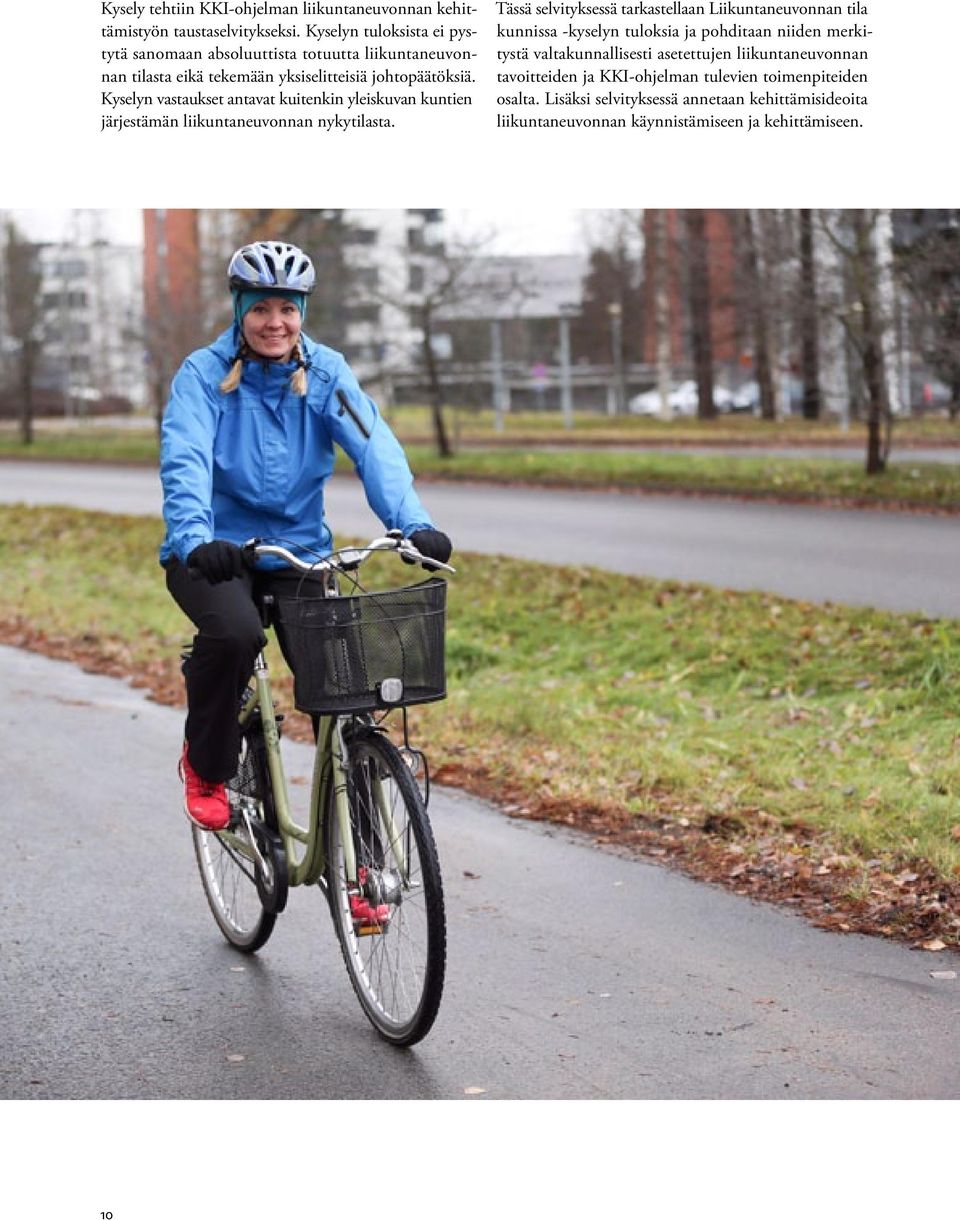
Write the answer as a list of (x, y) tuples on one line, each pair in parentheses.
[(367, 650)]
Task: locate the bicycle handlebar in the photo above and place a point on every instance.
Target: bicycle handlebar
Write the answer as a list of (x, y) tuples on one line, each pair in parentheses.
[(348, 558)]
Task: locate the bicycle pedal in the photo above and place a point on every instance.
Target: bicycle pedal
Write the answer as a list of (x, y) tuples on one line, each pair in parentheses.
[(370, 929)]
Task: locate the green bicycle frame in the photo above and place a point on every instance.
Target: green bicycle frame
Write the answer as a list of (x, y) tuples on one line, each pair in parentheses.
[(303, 845), (305, 842)]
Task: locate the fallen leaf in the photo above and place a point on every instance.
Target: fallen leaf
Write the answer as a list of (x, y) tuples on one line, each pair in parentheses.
[(472, 876), (235, 1058), (474, 1091), (933, 946), (943, 974)]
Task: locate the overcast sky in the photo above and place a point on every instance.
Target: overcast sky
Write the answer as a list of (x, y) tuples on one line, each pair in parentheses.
[(514, 231)]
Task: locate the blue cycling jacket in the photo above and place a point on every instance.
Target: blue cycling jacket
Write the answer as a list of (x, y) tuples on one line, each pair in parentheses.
[(253, 463)]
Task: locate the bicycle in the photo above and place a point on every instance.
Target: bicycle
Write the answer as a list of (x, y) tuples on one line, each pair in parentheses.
[(368, 843)]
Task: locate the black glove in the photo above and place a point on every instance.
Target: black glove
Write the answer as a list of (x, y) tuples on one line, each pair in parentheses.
[(432, 544), (217, 560)]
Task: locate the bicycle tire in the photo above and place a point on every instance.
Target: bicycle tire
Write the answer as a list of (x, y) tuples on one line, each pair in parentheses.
[(397, 973), (229, 881)]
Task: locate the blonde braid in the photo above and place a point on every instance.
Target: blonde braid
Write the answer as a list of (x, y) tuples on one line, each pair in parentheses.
[(232, 379), (298, 382)]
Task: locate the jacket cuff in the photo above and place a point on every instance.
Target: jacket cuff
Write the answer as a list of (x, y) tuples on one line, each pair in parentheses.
[(183, 546)]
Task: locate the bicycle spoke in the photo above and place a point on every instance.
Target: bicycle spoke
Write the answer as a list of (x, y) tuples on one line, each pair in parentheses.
[(227, 870), (397, 971)]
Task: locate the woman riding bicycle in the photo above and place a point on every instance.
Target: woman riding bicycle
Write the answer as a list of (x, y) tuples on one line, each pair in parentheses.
[(246, 448)]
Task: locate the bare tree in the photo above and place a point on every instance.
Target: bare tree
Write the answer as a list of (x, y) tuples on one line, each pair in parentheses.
[(864, 322), (698, 300), (449, 279), (930, 266), (809, 329), (437, 281), (759, 317), (24, 314), (659, 264), (779, 307)]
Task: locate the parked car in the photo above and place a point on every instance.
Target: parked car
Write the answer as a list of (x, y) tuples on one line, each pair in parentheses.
[(747, 398), (683, 399)]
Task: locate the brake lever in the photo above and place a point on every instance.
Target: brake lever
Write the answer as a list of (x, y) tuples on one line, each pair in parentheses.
[(249, 552), (406, 547)]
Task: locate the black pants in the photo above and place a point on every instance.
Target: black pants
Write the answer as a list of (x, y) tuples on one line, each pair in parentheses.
[(229, 636)]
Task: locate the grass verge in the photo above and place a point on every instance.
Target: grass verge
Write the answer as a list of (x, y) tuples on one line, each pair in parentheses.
[(800, 752), (90, 444), (412, 424)]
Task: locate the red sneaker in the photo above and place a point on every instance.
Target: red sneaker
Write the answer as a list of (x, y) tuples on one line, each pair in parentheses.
[(365, 916), (205, 804)]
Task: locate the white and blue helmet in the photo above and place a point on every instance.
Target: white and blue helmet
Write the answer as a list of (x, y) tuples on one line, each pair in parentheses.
[(271, 264)]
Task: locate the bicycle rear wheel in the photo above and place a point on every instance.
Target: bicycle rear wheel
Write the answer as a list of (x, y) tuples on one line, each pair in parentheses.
[(397, 966), (226, 860)]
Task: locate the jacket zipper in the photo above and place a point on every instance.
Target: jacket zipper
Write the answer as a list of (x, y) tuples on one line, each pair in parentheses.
[(345, 406)]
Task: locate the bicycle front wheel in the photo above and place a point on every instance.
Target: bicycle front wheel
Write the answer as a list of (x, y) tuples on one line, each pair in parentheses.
[(226, 860), (396, 956)]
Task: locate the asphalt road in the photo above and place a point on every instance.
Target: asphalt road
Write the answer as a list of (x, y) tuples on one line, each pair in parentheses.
[(895, 561), (573, 972)]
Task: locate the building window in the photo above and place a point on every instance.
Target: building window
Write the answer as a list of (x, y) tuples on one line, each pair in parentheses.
[(430, 216), (70, 268), (64, 300), (359, 352), (360, 237), (363, 313), (415, 279), (367, 278)]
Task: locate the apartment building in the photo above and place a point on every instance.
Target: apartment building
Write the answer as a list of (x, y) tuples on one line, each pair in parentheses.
[(92, 305), (89, 326)]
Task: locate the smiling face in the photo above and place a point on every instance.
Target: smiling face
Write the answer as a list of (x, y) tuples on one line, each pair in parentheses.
[(271, 328)]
